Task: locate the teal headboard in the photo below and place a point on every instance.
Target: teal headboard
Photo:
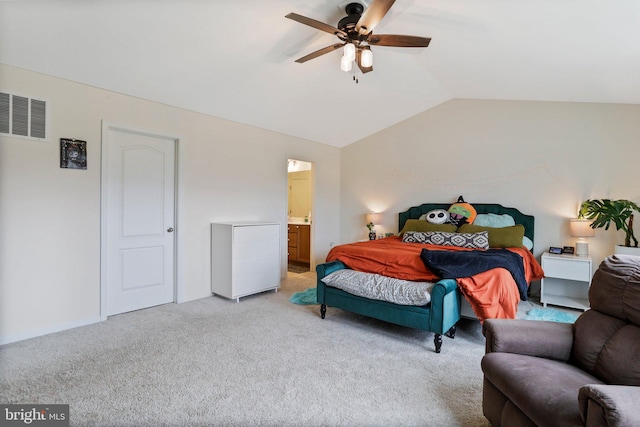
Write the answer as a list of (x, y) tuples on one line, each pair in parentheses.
[(528, 221)]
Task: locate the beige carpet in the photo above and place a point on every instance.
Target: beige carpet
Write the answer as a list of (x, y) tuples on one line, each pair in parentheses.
[(260, 362)]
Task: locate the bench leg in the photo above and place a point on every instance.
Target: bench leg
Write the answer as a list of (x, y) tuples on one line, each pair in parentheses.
[(323, 310), (451, 333), (437, 340)]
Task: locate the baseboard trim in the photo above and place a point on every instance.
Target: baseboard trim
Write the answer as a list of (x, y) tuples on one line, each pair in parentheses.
[(8, 339)]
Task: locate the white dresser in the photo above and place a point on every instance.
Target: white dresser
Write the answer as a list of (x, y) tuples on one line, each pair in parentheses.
[(566, 280), (245, 258)]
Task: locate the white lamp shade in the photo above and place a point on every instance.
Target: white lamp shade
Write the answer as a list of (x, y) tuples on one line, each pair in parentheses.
[(350, 51), (373, 218), (581, 228), (346, 63), (366, 58)]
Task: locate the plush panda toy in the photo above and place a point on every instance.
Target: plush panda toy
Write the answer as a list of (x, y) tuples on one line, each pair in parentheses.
[(436, 216), (459, 213)]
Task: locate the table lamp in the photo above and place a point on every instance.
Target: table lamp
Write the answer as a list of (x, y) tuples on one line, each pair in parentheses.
[(581, 228)]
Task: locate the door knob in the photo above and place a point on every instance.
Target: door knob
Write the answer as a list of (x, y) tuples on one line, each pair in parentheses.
[(170, 229)]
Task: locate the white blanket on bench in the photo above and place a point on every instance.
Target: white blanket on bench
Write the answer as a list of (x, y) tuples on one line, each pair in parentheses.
[(375, 286)]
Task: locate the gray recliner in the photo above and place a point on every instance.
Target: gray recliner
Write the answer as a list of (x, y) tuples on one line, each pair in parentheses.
[(557, 374)]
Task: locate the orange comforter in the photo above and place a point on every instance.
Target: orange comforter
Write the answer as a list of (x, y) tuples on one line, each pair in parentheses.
[(491, 294)]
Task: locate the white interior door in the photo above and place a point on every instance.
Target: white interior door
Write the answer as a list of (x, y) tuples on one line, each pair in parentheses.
[(139, 194)]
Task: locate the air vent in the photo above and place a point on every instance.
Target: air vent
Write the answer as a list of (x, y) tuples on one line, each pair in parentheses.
[(22, 116), (5, 112)]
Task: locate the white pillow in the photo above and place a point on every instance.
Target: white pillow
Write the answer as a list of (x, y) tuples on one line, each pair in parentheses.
[(494, 220)]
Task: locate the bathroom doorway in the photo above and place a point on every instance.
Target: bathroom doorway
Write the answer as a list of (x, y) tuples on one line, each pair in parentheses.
[(299, 215)]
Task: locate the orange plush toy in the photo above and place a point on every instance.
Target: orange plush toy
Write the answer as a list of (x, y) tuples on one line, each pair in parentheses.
[(461, 212)]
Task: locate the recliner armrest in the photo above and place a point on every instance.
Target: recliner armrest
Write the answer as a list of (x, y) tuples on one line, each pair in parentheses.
[(550, 340), (611, 405)]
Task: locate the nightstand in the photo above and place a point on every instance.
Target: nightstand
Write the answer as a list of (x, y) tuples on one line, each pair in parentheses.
[(566, 280)]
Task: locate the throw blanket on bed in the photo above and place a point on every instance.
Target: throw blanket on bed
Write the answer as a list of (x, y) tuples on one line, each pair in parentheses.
[(491, 294), (453, 265)]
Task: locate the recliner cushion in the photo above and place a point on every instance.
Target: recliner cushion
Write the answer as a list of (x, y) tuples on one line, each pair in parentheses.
[(545, 390), (591, 333), (607, 338), (607, 348), (615, 288), (619, 363)]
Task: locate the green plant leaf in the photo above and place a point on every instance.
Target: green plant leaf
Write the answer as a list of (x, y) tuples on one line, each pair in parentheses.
[(604, 212)]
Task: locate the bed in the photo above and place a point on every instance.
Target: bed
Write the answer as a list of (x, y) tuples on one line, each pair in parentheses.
[(408, 262)]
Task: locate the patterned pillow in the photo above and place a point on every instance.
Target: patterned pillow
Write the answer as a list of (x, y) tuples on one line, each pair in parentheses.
[(463, 240)]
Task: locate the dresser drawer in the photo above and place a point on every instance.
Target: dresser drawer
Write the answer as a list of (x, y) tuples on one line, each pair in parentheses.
[(242, 234), (566, 269)]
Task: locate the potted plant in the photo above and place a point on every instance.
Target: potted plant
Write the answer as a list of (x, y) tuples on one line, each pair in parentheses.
[(372, 232), (604, 212)]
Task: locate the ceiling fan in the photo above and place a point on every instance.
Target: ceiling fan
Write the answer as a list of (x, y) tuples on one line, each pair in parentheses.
[(355, 32)]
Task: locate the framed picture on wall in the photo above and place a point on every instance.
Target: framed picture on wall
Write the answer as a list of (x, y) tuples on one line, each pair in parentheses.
[(73, 153)]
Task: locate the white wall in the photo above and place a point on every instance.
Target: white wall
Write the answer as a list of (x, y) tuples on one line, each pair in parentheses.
[(543, 158), (50, 217)]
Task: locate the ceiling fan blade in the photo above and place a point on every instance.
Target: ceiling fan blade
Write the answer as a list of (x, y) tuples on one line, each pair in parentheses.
[(316, 24), (398, 40), (320, 52), (373, 15), (358, 61)]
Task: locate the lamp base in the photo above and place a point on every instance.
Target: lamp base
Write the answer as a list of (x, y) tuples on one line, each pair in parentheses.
[(582, 248)]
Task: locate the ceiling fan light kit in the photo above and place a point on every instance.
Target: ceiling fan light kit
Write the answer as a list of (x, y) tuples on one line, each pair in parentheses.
[(355, 32), (349, 55), (346, 63), (350, 51), (367, 57)]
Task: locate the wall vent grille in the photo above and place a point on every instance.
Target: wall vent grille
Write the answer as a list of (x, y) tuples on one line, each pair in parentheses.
[(22, 116)]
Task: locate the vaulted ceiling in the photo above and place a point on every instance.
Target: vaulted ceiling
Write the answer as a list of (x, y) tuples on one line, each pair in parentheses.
[(234, 59)]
